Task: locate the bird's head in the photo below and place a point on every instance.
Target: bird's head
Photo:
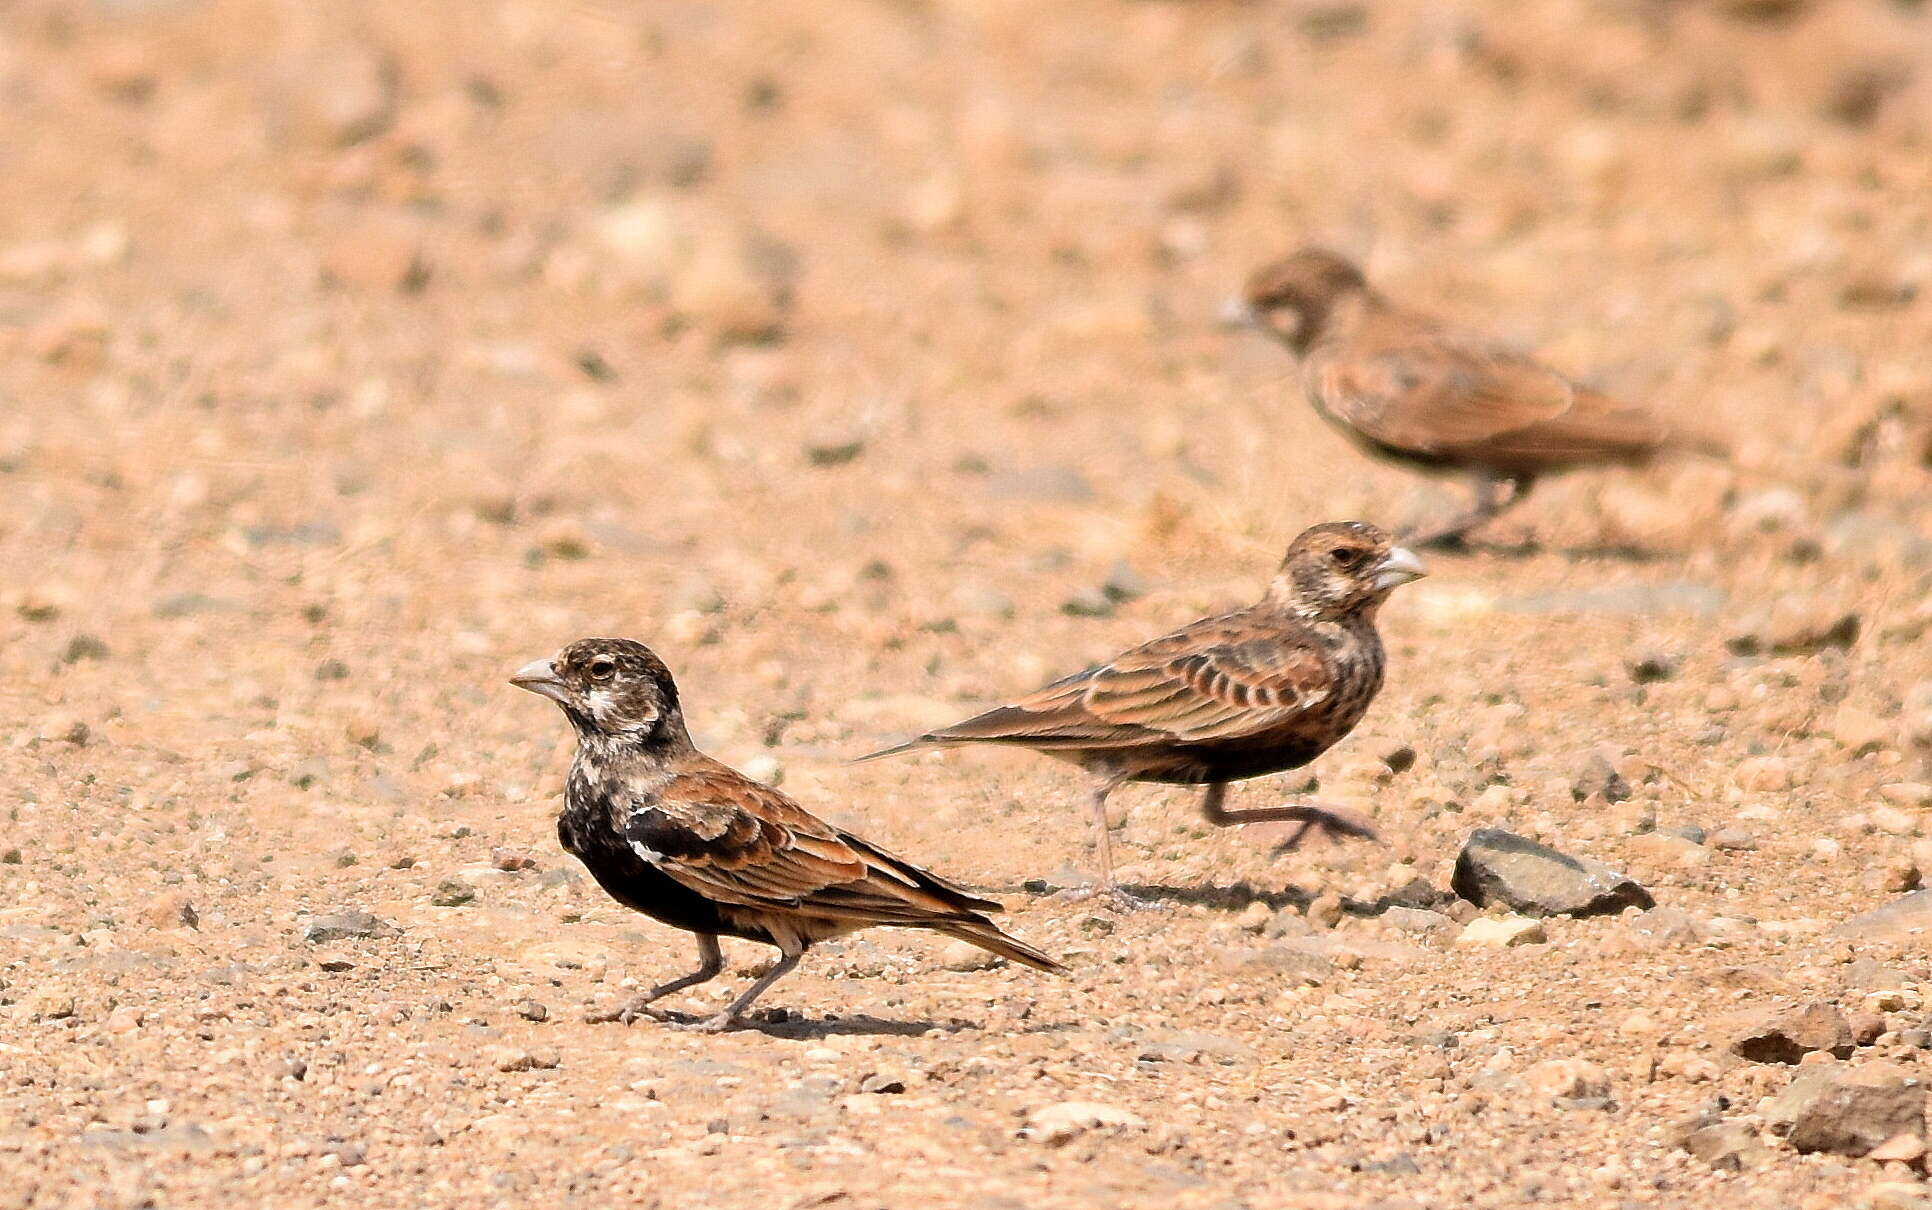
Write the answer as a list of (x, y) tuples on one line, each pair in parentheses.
[(609, 687), (1341, 567), (1291, 298)]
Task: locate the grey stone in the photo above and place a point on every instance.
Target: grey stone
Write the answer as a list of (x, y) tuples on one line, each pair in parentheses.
[(1849, 1112), (1496, 866), (1668, 925), (1907, 916), (1419, 920), (1788, 1035), (347, 925), (1730, 1146), (1599, 776)]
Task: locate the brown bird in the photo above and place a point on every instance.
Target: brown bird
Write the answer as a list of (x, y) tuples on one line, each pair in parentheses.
[(1405, 388), (1257, 691), (671, 833)]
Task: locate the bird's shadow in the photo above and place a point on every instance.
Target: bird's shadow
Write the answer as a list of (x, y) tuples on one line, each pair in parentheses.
[(1529, 548), (1239, 895), (780, 1023)]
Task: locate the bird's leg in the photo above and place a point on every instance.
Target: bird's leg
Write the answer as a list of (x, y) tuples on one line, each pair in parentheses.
[(710, 962), (1329, 820), (735, 1010), (1489, 501), (1104, 849)]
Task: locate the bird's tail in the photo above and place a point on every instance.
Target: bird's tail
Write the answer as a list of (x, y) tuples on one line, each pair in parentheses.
[(987, 936), (911, 745)]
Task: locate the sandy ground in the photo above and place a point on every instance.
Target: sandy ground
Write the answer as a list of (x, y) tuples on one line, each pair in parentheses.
[(357, 353)]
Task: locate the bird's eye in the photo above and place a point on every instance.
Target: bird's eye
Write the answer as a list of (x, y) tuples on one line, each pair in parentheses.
[(602, 668), (1346, 556)]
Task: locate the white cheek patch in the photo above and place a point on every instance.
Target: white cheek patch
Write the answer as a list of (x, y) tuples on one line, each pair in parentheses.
[(599, 703)]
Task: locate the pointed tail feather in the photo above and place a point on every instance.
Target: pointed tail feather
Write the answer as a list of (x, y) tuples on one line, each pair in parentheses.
[(987, 936), (911, 745)]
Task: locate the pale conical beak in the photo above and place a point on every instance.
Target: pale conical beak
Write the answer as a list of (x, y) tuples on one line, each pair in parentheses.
[(539, 676), (1399, 567), (1236, 313)]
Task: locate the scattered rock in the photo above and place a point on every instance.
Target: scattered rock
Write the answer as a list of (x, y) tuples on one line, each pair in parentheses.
[(1649, 663), (1496, 866), (733, 280), (1897, 1195), (834, 447), (1059, 1124), (343, 926), (1907, 916), (511, 859), (452, 892), (1849, 1111), (1729, 1146), (1501, 931), (506, 1058), (84, 647), (531, 1010), (1788, 1035), (1325, 912), (1794, 625), (1866, 1027), (1667, 926), (1763, 774), (965, 956), (1733, 840), (1907, 1148), (1599, 777), (1419, 920), (1567, 1080), (1088, 603)]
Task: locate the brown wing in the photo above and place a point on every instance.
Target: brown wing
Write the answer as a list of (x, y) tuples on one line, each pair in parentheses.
[(1218, 679), (1435, 396), (1408, 386), (738, 841)]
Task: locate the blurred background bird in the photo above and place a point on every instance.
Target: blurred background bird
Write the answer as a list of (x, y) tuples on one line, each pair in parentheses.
[(1405, 388)]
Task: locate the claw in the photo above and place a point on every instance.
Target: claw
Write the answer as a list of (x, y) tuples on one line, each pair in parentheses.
[(625, 1014), (1331, 824)]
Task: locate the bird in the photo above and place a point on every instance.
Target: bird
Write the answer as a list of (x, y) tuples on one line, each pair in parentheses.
[(1234, 696), (1405, 388), (695, 844)]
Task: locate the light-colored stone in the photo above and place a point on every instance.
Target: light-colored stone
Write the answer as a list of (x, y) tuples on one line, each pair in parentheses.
[(1498, 932), (1056, 1125)]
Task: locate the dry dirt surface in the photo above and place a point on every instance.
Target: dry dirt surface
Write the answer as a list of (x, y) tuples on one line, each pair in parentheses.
[(861, 357)]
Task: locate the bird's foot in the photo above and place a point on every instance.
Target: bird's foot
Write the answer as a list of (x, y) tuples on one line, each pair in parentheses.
[(627, 1012), (1329, 823), (716, 1023)]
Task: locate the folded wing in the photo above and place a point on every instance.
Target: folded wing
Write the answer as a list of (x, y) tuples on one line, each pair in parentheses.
[(1439, 396), (738, 841), (1212, 681)]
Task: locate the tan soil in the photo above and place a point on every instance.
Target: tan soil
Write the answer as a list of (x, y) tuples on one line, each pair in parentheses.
[(357, 353)]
